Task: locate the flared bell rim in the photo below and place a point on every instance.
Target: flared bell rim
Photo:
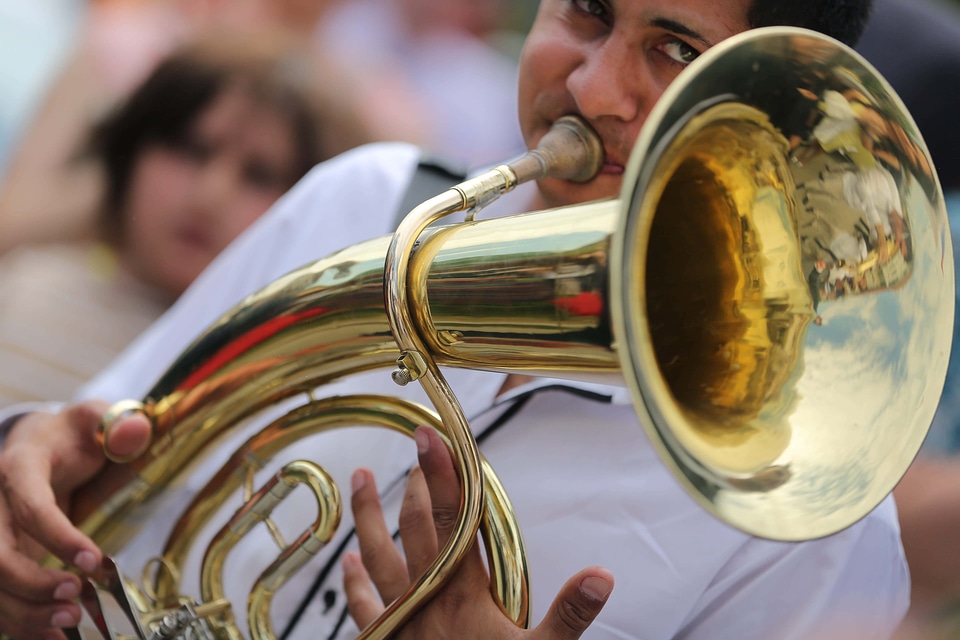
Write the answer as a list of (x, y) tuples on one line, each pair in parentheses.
[(817, 484)]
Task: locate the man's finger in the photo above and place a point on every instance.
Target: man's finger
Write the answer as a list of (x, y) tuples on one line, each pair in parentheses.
[(380, 554), (577, 604), (445, 496), (35, 584), (416, 525), (362, 602), (20, 573), (442, 480), (33, 510), (23, 619)]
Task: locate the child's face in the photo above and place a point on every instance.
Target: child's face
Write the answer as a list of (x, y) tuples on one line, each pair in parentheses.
[(187, 201)]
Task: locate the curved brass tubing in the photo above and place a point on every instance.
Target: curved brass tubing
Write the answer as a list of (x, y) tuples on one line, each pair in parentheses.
[(503, 541)]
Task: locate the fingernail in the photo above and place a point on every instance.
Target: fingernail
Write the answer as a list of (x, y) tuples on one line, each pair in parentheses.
[(350, 560), (358, 481), (595, 588), (62, 619), (66, 591), (85, 561), (422, 439)]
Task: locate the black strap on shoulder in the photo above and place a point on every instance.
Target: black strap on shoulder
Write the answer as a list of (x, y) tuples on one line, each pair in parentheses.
[(433, 175)]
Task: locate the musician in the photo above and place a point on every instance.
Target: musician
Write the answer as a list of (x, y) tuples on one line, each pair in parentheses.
[(587, 486)]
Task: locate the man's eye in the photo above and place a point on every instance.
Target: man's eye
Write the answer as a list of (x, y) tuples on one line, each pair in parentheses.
[(681, 51)]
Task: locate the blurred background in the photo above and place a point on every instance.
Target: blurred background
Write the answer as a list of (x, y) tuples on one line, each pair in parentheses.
[(41, 41), (65, 64), (38, 37), (138, 137)]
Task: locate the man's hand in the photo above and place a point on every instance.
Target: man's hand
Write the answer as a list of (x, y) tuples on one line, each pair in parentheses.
[(464, 608), (44, 459)]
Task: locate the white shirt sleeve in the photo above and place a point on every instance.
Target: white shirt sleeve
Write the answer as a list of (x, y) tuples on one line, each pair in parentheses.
[(852, 584)]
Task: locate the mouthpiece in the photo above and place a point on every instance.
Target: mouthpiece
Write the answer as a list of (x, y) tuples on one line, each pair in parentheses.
[(570, 150)]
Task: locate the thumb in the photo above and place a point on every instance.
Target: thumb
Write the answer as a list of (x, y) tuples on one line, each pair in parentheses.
[(127, 437), (577, 605)]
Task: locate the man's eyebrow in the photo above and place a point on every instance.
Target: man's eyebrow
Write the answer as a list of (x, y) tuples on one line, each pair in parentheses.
[(680, 29)]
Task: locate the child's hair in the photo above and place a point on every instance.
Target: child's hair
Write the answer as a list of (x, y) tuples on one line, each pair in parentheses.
[(272, 69)]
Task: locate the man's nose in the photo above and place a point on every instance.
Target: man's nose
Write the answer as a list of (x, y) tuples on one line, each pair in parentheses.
[(610, 83)]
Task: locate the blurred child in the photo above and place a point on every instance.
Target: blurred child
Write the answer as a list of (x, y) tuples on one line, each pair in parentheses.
[(218, 132), (82, 71)]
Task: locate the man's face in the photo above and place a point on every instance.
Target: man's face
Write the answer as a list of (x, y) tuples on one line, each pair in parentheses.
[(609, 61)]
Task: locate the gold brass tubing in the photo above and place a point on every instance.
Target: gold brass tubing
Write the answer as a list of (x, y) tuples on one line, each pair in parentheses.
[(299, 552), (509, 577), (326, 320), (466, 456), (560, 154), (506, 557), (204, 610), (256, 511)]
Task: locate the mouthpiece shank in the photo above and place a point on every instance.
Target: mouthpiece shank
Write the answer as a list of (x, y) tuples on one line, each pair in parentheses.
[(570, 150)]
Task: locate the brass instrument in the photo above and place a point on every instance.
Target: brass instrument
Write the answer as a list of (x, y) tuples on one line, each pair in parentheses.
[(775, 285)]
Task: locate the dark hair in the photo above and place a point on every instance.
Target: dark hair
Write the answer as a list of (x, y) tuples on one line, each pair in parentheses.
[(916, 46), (844, 20), (270, 68)]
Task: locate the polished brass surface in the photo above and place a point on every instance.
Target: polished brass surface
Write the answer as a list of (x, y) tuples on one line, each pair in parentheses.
[(775, 286), (799, 292), (569, 151), (162, 589)]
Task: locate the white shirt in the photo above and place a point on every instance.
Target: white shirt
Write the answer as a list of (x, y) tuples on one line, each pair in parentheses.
[(586, 484), (589, 489)]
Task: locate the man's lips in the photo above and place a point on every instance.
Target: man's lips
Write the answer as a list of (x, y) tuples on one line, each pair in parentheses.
[(614, 152), (614, 159), (613, 163), (612, 169)]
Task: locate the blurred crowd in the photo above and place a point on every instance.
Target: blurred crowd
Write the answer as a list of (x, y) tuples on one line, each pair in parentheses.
[(916, 46), (138, 137), (399, 57)]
